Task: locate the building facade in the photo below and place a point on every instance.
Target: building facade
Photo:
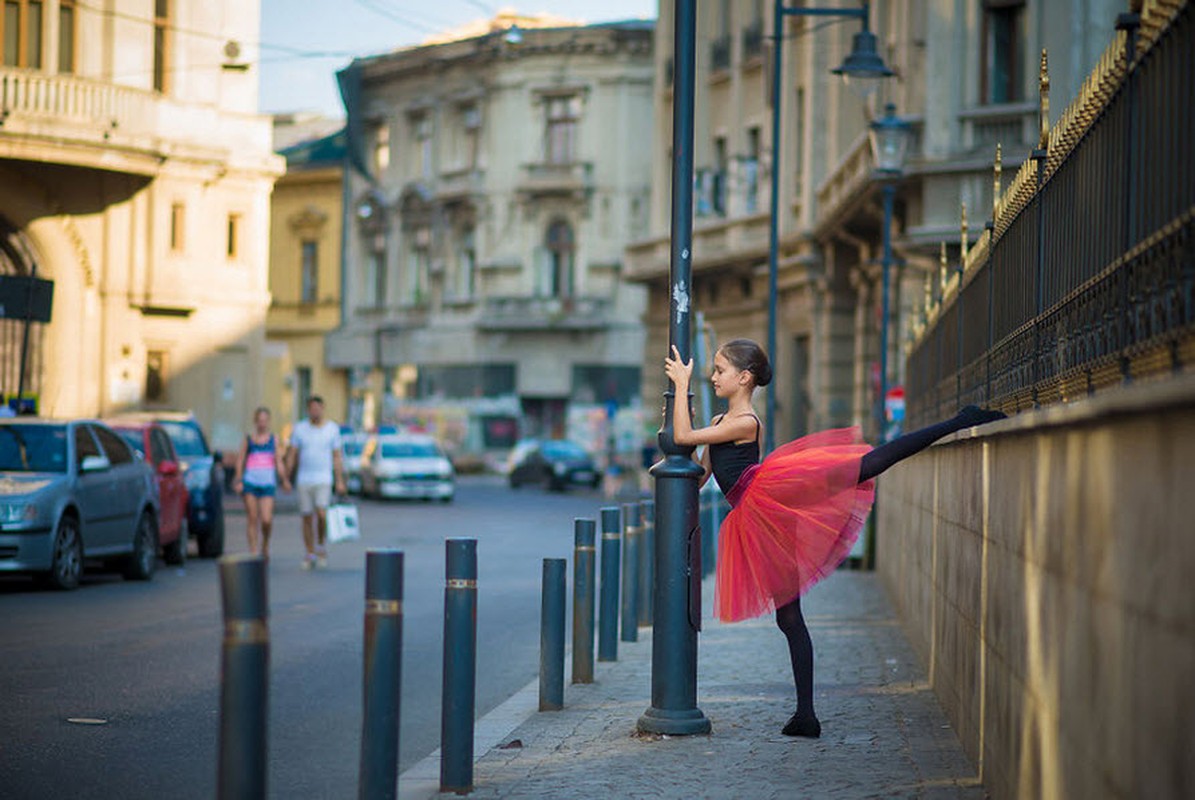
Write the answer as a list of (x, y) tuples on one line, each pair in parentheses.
[(135, 174), (500, 178), (306, 216), (966, 80)]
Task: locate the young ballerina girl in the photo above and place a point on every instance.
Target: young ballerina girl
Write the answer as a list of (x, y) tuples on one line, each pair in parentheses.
[(794, 517)]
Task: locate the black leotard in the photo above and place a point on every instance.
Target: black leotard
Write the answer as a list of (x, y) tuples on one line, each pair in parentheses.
[(728, 460)]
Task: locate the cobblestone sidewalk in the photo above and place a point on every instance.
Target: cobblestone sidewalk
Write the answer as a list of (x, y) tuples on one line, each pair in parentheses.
[(883, 733)]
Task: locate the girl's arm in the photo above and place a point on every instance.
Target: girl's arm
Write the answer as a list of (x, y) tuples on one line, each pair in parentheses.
[(731, 429), (239, 474)]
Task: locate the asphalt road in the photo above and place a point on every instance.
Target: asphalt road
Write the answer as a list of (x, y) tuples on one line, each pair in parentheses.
[(144, 657)]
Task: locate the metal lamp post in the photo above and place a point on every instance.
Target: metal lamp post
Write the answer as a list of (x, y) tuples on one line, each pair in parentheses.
[(889, 137), (677, 606), (863, 63)]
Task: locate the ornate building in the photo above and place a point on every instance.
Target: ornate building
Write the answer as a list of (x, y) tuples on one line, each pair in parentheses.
[(966, 80), (135, 174), (499, 178), (306, 213)]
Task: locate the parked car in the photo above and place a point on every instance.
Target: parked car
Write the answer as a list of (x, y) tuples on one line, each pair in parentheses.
[(408, 466), (204, 476), (150, 442), (354, 448), (556, 463), (72, 491)]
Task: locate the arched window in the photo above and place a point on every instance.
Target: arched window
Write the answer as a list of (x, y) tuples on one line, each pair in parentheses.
[(561, 249)]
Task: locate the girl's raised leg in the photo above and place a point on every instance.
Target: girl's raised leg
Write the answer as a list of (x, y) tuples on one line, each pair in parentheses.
[(900, 448)]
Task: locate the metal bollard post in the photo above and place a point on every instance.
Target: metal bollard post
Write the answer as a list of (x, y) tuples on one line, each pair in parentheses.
[(647, 562), (460, 667), (244, 678), (382, 676), (630, 572), (584, 556), (608, 618), (551, 636)]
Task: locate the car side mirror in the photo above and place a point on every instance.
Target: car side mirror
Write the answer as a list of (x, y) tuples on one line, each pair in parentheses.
[(94, 464), (218, 457), (167, 469)]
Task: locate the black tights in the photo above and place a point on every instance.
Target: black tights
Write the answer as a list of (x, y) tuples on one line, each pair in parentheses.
[(789, 617)]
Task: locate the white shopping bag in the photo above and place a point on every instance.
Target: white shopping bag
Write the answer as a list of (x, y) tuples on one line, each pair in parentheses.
[(342, 522)]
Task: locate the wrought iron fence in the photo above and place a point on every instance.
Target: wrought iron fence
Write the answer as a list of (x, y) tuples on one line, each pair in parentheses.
[(1087, 278)]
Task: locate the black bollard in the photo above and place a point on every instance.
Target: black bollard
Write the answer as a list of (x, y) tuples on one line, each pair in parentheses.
[(551, 636), (584, 555), (608, 619), (631, 541), (460, 667), (244, 678), (647, 562), (382, 675)]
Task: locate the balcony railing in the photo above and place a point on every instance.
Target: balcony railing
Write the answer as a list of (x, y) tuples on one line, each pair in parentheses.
[(458, 184), (544, 313), (1012, 126), (573, 177), (1079, 288), (142, 125)]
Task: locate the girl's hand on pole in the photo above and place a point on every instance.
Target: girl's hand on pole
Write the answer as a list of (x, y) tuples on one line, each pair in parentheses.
[(679, 372)]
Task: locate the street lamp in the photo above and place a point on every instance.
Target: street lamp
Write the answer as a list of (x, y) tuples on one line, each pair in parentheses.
[(889, 138), (863, 63)]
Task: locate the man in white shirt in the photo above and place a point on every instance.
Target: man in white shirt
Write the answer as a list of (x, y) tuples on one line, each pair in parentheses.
[(315, 442)]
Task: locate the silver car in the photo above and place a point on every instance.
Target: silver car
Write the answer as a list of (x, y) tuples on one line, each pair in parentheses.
[(70, 491), (409, 466)]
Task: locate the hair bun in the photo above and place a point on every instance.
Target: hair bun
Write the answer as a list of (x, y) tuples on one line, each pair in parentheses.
[(762, 373)]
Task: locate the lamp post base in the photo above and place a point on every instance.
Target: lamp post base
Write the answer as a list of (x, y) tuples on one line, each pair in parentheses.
[(684, 722)]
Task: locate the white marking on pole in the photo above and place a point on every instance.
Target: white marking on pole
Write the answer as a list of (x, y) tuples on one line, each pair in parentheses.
[(681, 297)]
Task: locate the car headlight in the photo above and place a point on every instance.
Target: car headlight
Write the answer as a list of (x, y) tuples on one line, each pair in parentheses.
[(559, 469), (18, 512)]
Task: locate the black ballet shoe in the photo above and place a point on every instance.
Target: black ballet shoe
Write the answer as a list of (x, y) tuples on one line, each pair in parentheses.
[(974, 415), (803, 725)]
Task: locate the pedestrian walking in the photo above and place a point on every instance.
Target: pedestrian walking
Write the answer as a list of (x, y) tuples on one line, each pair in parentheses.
[(315, 446), (794, 517), (259, 471)]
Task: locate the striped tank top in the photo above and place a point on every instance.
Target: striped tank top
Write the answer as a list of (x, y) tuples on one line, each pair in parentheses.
[(260, 467)]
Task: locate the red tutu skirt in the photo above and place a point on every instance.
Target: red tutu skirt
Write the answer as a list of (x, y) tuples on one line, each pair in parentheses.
[(794, 518)]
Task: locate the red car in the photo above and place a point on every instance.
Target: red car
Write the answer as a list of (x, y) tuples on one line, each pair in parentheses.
[(151, 442)]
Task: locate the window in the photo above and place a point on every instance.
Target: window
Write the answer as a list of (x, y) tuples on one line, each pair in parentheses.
[(309, 272), (376, 276), (1001, 52), (115, 448), (561, 135), (177, 227), (21, 27), (381, 146), (234, 236), (155, 376), (161, 45), (303, 385), (418, 260), (466, 265), (66, 36), (751, 171), (471, 123), (159, 446), (84, 444), (422, 125), (719, 178), (561, 249)]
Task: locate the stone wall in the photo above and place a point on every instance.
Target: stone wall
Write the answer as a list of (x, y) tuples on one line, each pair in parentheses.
[(1045, 570)]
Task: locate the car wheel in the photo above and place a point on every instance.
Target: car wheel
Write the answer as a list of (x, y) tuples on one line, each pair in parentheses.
[(555, 484), (143, 559), (515, 482), (211, 544), (67, 564), (176, 551)]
